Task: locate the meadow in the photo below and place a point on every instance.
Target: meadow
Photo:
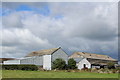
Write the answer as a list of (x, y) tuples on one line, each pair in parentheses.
[(53, 74)]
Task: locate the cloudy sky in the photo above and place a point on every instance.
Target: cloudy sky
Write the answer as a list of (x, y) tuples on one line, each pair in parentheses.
[(79, 26)]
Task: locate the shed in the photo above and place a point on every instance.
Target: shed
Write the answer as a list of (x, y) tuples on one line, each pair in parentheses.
[(42, 58), (49, 55)]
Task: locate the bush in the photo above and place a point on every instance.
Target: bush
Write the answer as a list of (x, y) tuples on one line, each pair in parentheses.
[(20, 67), (85, 69), (59, 64), (111, 65), (71, 64)]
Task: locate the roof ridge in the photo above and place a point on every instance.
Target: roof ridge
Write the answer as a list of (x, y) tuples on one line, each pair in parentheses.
[(55, 50), (46, 49), (95, 53)]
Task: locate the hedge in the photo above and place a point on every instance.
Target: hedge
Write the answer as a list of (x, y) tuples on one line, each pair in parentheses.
[(20, 67)]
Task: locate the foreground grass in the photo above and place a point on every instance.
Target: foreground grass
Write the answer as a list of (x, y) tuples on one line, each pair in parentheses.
[(52, 74)]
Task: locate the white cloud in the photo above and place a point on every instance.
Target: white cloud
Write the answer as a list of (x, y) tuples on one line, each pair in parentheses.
[(89, 27), (89, 20), (20, 40)]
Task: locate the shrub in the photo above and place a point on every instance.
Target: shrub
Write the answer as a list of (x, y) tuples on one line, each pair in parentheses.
[(71, 64), (20, 67), (59, 64), (85, 69), (111, 65)]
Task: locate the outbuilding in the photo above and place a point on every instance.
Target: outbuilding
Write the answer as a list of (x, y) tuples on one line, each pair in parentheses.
[(42, 58), (90, 60)]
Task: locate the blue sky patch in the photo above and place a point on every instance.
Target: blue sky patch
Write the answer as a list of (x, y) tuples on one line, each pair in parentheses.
[(43, 10), (24, 8), (5, 12)]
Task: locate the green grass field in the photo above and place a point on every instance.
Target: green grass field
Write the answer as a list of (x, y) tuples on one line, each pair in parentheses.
[(52, 74)]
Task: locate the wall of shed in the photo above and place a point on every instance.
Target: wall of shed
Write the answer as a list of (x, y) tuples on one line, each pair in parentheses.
[(37, 60), (60, 54), (27, 61), (47, 62), (12, 62), (80, 65)]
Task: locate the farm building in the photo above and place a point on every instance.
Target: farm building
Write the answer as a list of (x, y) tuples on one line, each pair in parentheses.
[(5, 59), (90, 60), (42, 58)]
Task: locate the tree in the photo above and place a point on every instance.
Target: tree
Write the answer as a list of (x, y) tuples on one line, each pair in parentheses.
[(59, 64), (72, 63), (111, 65)]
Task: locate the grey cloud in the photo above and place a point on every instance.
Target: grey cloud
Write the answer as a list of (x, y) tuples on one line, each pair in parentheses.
[(92, 29), (82, 28), (12, 21)]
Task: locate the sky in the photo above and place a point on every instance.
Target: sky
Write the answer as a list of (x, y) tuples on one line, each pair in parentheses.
[(75, 26)]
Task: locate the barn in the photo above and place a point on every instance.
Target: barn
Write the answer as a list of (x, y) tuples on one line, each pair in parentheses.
[(42, 58), (91, 60)]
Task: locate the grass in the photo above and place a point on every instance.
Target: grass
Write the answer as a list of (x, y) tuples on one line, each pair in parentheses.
[(52, 74)]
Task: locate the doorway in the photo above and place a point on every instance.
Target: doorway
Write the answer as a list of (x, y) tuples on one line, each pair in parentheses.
[(84, 65)]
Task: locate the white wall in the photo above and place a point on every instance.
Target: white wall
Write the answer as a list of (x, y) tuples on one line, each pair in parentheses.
[(95, 66), (12, 62), (37, 60), (80, 65), (47, 62), (27, 61)]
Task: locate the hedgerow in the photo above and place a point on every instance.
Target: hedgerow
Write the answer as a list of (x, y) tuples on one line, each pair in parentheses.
[(20, 67)]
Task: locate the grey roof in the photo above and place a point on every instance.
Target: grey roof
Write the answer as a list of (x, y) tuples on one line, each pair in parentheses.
[(42, 52), (78, 59)]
